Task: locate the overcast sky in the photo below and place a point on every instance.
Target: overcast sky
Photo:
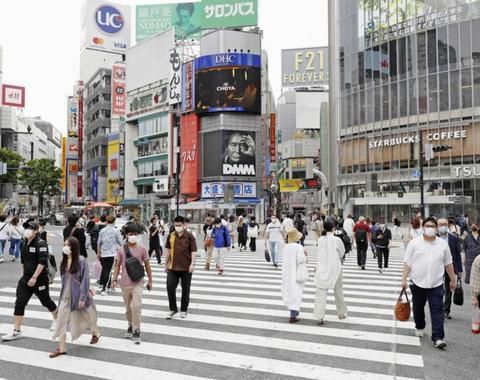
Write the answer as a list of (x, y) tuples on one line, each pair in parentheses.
[(40, 40)]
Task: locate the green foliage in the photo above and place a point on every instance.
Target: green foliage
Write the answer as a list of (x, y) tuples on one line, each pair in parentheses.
[(13, 160)]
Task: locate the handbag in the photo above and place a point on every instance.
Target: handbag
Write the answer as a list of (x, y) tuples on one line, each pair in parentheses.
[(302, 272), (209, 242), (252, 232), (267, 256), (402, 308), (458, 293), (96, 269), (135, 269)]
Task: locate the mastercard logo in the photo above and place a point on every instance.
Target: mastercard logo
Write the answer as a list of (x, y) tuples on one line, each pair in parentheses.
[(97, 40)]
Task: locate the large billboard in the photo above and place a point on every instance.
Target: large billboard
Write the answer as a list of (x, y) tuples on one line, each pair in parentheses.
[(148, 101), (105, 26), (236, 150), (305, 67), (228, 83), (229, 13), (156, 18), (13, 96), (113, 169), (189, 154)]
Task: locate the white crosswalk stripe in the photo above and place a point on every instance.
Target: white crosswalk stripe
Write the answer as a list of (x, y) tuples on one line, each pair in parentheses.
[(237, 327)]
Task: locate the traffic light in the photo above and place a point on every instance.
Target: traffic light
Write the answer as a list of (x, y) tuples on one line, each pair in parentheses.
[(441, 148)]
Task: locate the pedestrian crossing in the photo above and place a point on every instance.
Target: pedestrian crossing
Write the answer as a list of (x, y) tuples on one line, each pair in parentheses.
[(237, 327)]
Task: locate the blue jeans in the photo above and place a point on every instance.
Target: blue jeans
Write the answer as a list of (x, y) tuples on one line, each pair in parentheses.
[(15, 248), (274, 250), (294, 313), (2, 246), (434, 296)]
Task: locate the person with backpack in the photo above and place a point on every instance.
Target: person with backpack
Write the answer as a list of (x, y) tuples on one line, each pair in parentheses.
[(362, 233), (252, 233), (92, 230), (221, 244), (300, 226), (74, 229), (317, 226), (343, 236), (373, 231), (383, 236)]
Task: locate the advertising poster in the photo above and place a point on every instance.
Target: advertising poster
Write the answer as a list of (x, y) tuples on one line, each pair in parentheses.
[(113, 168), (290, 185), (237, 152), (119, 92), (228, 82), (94, 194), (72, 116), (184, 17), (175, 79), (189, 167), (273, 138), (229, 13), (188, 86), (13, 96), (72, 178)]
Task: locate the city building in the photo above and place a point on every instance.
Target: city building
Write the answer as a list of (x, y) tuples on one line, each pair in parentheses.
[(407, 80)]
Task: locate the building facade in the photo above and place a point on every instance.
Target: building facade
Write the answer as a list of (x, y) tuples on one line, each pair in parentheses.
[(408, 80)]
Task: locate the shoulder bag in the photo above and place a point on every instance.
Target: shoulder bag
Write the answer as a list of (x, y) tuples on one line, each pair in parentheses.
[(402, 308), (135, 269), (458, 293), (302, 272)]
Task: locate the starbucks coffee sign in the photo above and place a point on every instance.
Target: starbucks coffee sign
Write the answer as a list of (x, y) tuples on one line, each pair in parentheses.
[(415, 138)]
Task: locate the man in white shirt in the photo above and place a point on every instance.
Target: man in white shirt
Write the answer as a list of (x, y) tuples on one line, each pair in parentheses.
[(348, 225), (426, 259), (274, 236), (287, 225), (4, 235)]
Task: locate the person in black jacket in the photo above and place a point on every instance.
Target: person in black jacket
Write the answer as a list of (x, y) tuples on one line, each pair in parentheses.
[(93, 230), (34, 279), (42, 234), (73, 229), (382, 240)]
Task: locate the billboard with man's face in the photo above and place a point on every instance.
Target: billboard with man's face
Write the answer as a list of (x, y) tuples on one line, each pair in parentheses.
[(236, 150)]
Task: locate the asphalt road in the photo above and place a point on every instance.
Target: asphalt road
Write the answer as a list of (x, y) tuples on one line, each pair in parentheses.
[(237, 329)]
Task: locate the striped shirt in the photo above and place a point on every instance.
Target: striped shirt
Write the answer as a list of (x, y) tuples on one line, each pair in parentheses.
[(475, 278)]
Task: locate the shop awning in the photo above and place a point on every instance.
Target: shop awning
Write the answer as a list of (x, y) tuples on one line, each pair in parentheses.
[(131, 202)]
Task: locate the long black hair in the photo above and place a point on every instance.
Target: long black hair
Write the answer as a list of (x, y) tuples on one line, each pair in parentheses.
[(74, 245)]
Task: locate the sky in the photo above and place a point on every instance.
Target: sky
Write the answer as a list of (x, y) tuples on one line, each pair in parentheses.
[(41, 39)]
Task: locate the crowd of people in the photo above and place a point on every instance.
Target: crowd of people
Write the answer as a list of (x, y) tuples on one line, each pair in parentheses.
[(438, 253)]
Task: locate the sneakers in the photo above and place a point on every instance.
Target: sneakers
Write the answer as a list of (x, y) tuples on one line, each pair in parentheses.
[(128, 334), (342, 316), (172, 314), (447, 315), (16, 334), (183, 314), (1, 259), (220, 272), (293, 320), (275, 265), (53, 326), (380, 270), (207, 266), (363, 267), (440, 344), (419, 333), (136, 337)]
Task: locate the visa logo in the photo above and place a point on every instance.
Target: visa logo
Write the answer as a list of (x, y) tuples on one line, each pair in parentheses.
[(119, 45)]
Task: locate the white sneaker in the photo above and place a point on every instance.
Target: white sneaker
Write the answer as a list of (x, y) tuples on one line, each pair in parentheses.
[(183, 314), (53, 326), (172, 314), (419, 333), (440, 344), (1, 259), (13, 336)]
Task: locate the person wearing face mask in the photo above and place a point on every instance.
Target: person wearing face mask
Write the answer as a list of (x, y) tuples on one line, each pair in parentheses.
[(180, 257), (426, 259), (382, 241), (471, 246), (154, 239), (274, 236), (132, 291), (34, 280), (76, 309), (221, 244), (456, 250)]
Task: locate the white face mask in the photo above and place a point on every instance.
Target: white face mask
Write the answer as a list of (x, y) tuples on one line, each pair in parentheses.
[(132, 239), (382, 226), (28, 234), (274, 220), (179, 229), (67, 250), (430, 231), (443, 229)]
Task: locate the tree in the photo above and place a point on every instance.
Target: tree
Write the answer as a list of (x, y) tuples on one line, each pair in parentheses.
[(13, 161), (42, 178)]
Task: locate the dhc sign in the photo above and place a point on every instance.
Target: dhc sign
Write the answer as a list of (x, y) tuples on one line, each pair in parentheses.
[(109, 19)]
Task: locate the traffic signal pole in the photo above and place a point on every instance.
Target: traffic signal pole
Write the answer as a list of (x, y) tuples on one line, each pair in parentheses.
[(420, 163)]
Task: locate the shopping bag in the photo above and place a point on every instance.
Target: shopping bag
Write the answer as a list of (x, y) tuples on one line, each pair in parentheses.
[(96, 269), (267, 256), (402, 308)]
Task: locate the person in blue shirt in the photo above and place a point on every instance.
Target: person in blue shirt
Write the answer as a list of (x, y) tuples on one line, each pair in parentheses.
[(221, 244)]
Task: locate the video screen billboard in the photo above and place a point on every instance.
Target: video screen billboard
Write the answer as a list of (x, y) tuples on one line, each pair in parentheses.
[(236, 150), (228, 83)]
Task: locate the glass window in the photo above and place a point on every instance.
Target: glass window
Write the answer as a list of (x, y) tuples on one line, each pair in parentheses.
[(411, 56), (465, 44), (442, 48), (422, 95), (349, 110), (378, 109), (393, 60), (403, 98), (476, 86), (355, 108), (443, 89), (433, 93), (394, 100), (422, 56), (386, 103), (454, 90), (361, 69), (466, 88), (376, 64), (370, 105), (384, 62), (432, 51), (362, 107), (454, 45), (412, 96), (476, 42), (402, 58)]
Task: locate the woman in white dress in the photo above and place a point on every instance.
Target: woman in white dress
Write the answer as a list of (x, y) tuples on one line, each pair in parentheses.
[(292, 289)]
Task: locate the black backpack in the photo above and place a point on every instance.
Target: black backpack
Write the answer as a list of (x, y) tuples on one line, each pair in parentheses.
[(342, 235), (361, 235), (134, 267)]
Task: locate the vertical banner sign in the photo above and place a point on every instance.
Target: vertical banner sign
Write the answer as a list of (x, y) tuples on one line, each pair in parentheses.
[(229, 13), (189, 162), (63, 182), (273, 145), (94, 195), (80, 140), (188, 86), (72, 116), (119, 93), (13, 96), (175, 80), (72, 180), (113, 169)]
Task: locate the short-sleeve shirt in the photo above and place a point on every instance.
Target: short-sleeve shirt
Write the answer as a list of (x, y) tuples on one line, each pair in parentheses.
[(140, 253), (427, 261), (181, 248), (361, 226)]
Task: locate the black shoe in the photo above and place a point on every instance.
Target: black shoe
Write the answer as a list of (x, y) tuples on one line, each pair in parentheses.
[(129, 334), (136, 337), (363, 267), (447, 315)]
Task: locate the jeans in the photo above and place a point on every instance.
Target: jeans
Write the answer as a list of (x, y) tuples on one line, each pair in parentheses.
[(274, 250), (15, 248), (107, 264), (2, 246), (172, 282), (382, 256), (362, 253), (434, 296), (294, 313)]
